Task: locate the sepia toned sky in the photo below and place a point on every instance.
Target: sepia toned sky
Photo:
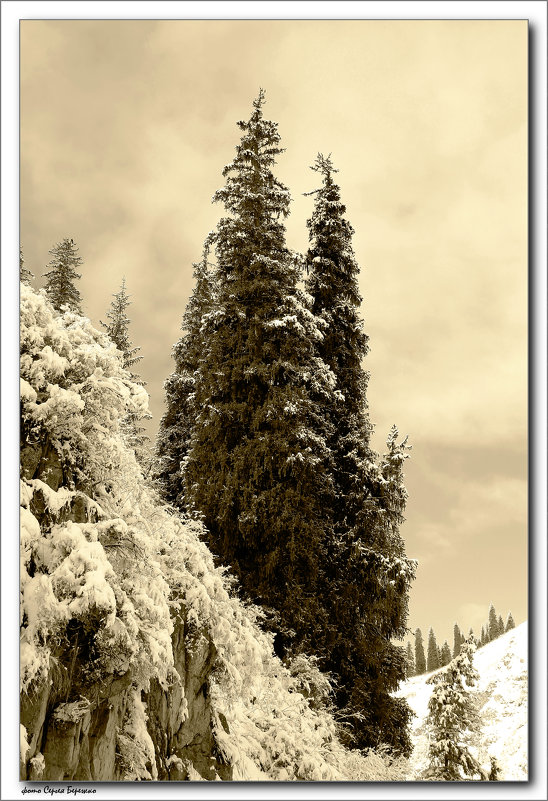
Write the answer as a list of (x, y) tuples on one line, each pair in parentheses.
[(125, 129)]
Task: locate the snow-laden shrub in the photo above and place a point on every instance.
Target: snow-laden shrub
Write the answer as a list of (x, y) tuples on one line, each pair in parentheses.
[(106, 590)]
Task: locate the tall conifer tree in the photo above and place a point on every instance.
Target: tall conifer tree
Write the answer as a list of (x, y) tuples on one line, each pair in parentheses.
[(369, 576), (61, 276), (510, 622), (173, 441), (257, 469)]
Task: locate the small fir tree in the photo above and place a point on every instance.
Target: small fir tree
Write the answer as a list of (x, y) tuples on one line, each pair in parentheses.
[(484, 636), (452, 714), (117, 329), (457, 639), (61, 276), (493, 624), (410, 661), (432, 659), (445, 654), (25, 274), (510, 622), (420, 658), (500, 625)]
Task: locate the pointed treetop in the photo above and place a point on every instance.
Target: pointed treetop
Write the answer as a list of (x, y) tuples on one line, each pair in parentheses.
[(60, 278), (323, 164), (259, 100)]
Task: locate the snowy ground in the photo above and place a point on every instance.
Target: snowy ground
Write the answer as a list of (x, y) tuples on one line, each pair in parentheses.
[(502, 700)]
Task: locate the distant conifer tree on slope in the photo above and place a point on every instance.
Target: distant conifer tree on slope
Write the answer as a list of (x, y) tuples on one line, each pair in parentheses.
[(445, 654), (410, 659), (451, 714), (432, 659), (60, 278), (493, 625), (458, 639), (510, 622), (500, 623), (420, 658), (25, 274)]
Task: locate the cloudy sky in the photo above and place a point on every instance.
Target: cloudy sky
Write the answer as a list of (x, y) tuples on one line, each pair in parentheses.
[(125, 128)]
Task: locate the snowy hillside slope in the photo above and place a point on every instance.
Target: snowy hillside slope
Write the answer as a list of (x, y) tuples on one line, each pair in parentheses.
[(501, 695)]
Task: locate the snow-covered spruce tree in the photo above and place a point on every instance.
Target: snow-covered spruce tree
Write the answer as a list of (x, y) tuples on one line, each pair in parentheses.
[(25, 274), (368, 574), (432, 659), (117, 330), (451, 715), (500, 622), (484, 636), (420, 658), (60, 277), (176, 425), (258, 468), (510, 622), (445, 654)]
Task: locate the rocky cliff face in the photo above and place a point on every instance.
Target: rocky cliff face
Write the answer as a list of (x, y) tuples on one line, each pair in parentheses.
[(74, 721)]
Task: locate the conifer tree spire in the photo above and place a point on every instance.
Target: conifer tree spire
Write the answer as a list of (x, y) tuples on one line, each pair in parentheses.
[(118, 327), (60, 277)]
